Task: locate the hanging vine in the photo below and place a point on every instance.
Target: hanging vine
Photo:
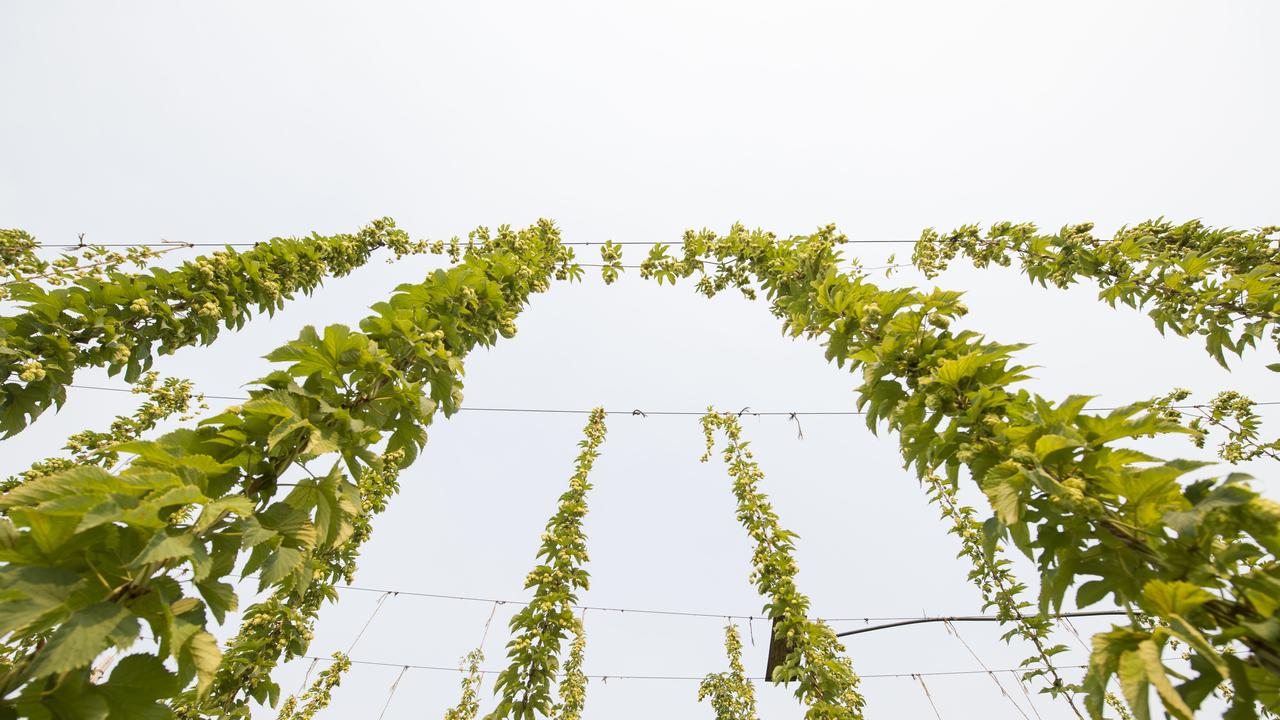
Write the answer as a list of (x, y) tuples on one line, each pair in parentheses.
[(573, 683), (827, 684), (1220, 283), (121, 321), (319, 695), (89, 555), (1228, 412), (28, 273), (281, 627), (1198, 556), (992, 576), (165, 399), (468, 707), (731, 693), (524, 687)]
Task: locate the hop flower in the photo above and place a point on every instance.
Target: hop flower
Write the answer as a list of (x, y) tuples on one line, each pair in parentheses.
[(209, 309), (32, 371)]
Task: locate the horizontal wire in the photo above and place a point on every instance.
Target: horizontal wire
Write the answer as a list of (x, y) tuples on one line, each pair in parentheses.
[(641, 267), (597, 608), (758, 678), (181, 243), (891, 620), (745, 412)]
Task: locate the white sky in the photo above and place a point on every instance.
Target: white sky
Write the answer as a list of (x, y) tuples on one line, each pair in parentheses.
[(239, 121)]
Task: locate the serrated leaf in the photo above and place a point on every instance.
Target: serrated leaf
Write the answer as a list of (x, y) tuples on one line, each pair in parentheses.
[(205, 655), (135, 685), (1174, 597), (30, 592), (83, 637), (220, 598), (1149, 653), (165, 546), (1132, 672), (278, 565)]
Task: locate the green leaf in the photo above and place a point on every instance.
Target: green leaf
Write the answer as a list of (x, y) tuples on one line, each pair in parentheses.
[(1149, 653), (28, 593), (165, 546), (218, 509), (83, 637), (278, 565), (284, 429), (204, 654), (1048, 445), (220, 597), (135, 685), (1092, 592), (1174, 598), (1004, 490), (1132, 672)]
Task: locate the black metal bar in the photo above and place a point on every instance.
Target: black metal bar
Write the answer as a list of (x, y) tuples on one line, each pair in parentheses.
[(971, 618)]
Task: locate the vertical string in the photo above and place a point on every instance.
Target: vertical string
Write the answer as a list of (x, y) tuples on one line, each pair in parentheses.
[(392, 694), (952, 629), (1023, 686), (1115, 679), (928, 696), (489, 622), (1072, 629), (368, 622), (307, 677)]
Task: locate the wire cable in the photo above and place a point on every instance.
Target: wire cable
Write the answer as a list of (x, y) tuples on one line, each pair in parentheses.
[(889, 621), (369, 622), (928, 696), (183, 243), (988, 671), (757, 678), (746, 412), (392, 693)]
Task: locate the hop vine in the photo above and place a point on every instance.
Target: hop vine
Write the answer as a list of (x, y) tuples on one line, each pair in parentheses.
[(573, 683), (319, 694), (165, 399), (468, 706), (204, 501), (1219, 283), (122, 321), (827, 684), (29, 274), (1100, 518), (524, 687), (731, 693), (1000, 589)]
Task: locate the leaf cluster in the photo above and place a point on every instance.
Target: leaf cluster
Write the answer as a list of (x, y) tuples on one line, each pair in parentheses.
[(320, 694), (1066, 488), (90, 555), (21, 263), (826, 682), (731, 693), (1219, 283), (122, 321), (539, 628)]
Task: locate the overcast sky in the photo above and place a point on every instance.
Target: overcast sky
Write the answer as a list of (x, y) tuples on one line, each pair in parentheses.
[(240, 121)]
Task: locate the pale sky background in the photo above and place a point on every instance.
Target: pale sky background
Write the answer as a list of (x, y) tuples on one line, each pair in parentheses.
[(239, 121)]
